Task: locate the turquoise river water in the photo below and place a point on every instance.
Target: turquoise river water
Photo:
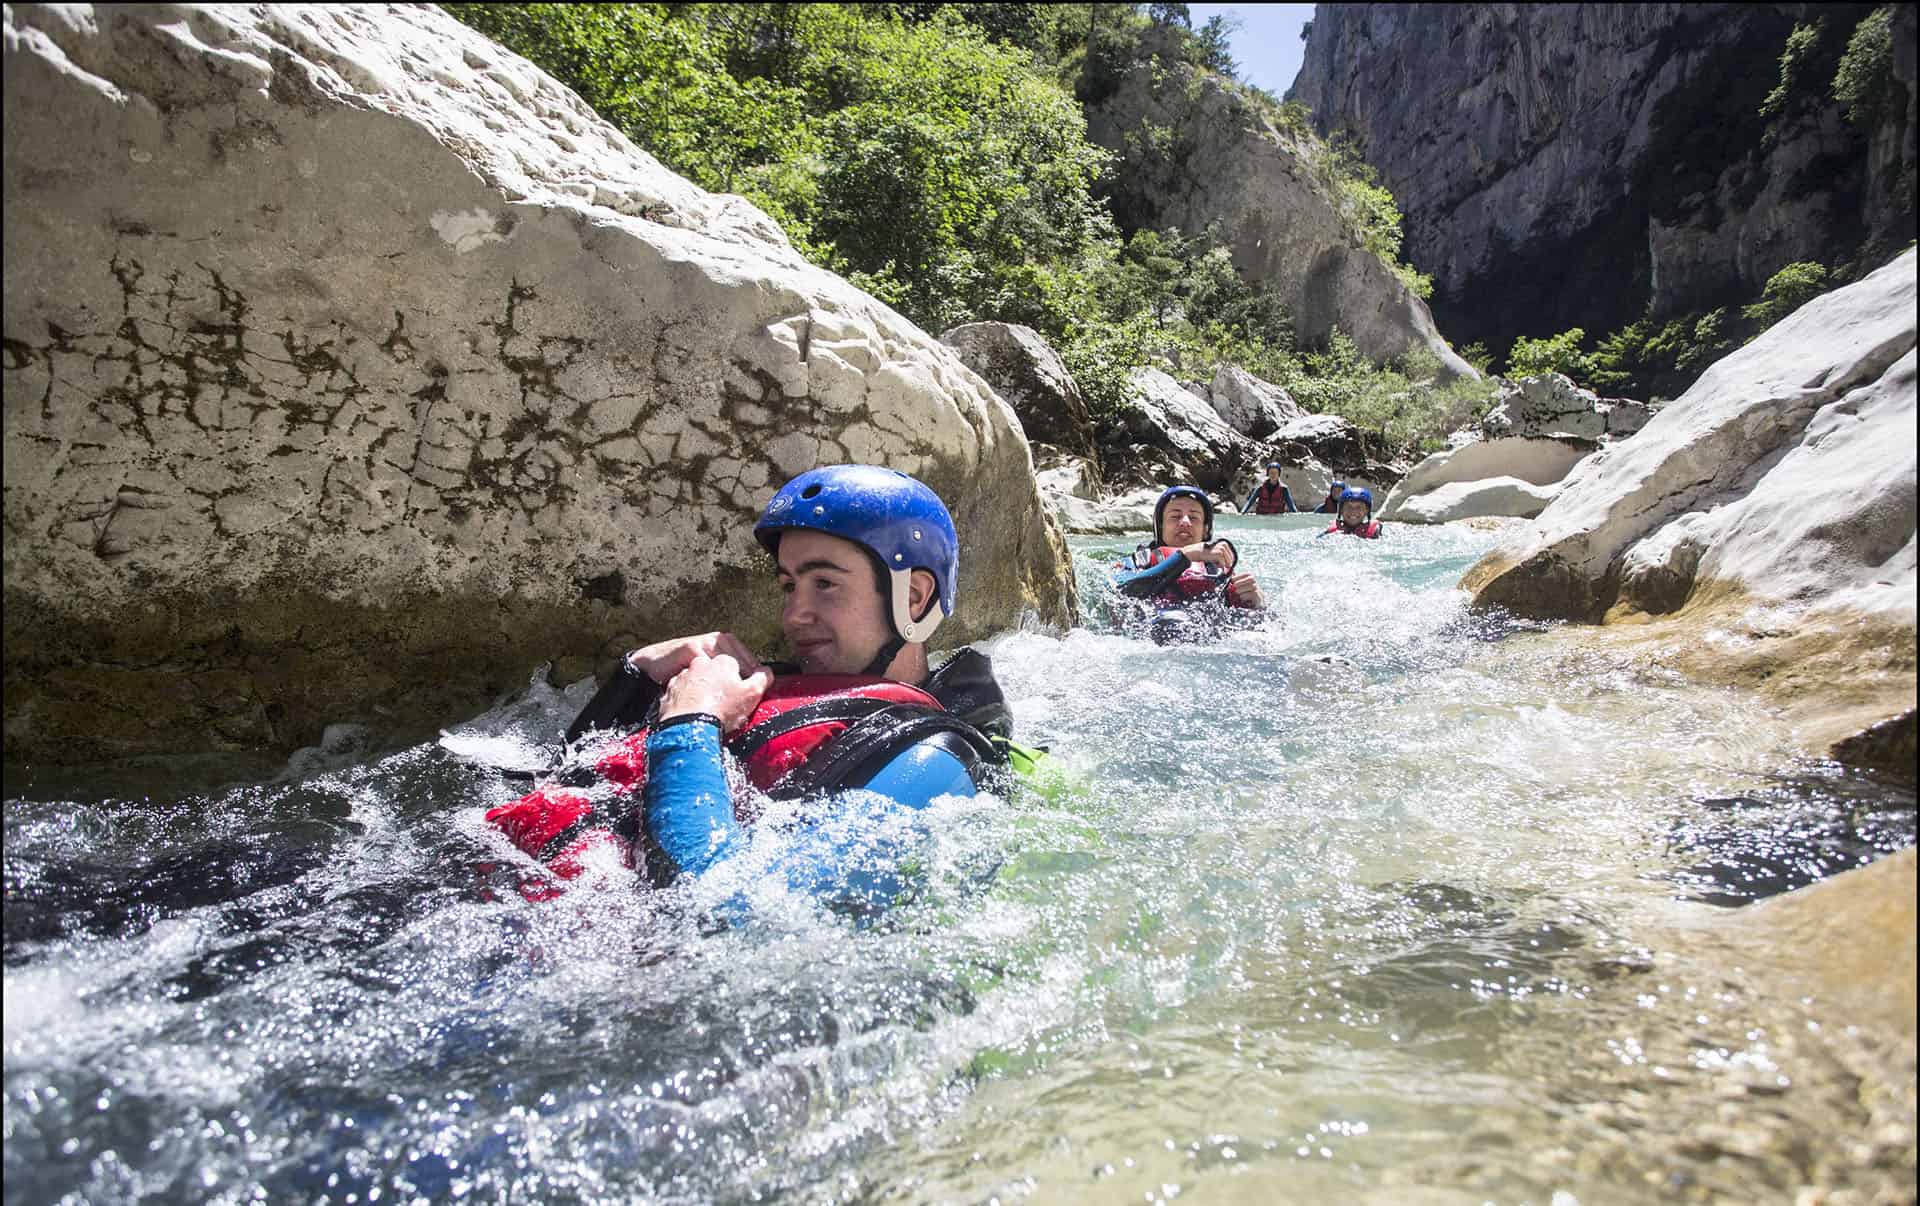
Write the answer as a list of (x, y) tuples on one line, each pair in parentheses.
[(1379, 901)]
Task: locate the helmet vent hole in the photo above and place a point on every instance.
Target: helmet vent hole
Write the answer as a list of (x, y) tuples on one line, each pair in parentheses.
[(810, 491)]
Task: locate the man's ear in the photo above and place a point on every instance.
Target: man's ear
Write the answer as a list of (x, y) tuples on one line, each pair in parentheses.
[(922, 591)]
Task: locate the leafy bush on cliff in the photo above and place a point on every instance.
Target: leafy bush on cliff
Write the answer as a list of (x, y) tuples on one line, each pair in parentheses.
[(1658, 359), (1556, 354), (1786, 291), (1867, 67), (1800, 44)]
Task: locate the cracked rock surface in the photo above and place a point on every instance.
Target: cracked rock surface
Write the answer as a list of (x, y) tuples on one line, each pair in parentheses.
[(1768, 514), (354, 367)]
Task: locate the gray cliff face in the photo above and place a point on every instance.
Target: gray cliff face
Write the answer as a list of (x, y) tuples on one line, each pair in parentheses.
[(1567, 165), (1193, 154)]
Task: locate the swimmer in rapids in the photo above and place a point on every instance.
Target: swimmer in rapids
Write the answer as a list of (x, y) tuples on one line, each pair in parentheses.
[(1356, 516), (1184, 570), (868, 560)]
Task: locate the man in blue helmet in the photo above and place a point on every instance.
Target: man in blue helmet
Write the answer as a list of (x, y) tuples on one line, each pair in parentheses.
[(868, 561), (1184, 572), (1270, 497), (1356, 515), (1330, 505)]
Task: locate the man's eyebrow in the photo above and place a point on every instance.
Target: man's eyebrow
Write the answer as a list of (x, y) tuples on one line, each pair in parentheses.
[(818, 563)]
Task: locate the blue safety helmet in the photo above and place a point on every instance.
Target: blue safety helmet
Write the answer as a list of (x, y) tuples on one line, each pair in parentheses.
[(896, 518), (1273, 464), (1357, 494), (1194, 492), (1338, 485)]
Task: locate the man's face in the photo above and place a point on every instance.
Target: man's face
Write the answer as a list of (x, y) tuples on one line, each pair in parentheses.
[(834, 620), (1353, 512), (1183, 522), (1273, 475)]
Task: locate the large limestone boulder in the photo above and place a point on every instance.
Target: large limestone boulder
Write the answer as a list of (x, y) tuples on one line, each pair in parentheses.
[(1537, 462), (1551, 406), (1171, 435), (1250, 406), (1538, 429), (354, 367), (1323, 448), (1195, 153), (1023, 369), (1069, 475), (1769, 512), (1478, 498), (1845, 944), (1130, 514)]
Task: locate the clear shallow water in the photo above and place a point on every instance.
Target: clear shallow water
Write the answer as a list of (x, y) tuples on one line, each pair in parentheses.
[(1367, 903)]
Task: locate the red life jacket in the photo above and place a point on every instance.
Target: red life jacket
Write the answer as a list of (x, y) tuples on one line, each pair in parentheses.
[(1367, 531), (794, 722), (1271, 499)]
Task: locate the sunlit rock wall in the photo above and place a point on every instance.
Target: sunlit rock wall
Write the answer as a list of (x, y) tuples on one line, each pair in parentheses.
[(1565, 165), (1195, 154), (353, 367), (1769, 511)]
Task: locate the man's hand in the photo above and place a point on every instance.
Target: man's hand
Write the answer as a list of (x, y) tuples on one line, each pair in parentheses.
[(664, 659), (719, 685), (1245, 589), (1218, 553)]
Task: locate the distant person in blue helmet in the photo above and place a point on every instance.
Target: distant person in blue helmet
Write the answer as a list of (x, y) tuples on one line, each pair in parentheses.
[(1184, 565), (1270, 497), (1356, 516), (1330, 505), (868, 561)]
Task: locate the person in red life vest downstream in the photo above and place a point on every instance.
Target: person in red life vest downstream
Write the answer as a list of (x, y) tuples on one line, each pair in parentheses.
[(868, 560), (1270, 497), (1184, 570), (1330, 505), (1356, 516)]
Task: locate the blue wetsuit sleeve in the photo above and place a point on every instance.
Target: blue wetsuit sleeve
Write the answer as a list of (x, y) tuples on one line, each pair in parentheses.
[(850, 852), (855, 854), (1286, 498), (1248, 505), (1144, 584), (688, 806)]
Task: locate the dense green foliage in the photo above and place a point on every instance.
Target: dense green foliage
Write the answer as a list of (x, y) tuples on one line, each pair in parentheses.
[(1867, 67), (1800, 44), (936, 156), (1786, 291), (925, 162), (1555, 354), (1658, 359)]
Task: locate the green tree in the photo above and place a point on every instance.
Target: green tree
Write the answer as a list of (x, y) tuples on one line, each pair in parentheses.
[(1786, 291), (1555, 354), (1212, 45), (1800, 44), (1866, 69)]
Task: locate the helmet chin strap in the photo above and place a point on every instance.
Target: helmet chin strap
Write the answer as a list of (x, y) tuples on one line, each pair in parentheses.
[(877, 668), (905, 627)]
